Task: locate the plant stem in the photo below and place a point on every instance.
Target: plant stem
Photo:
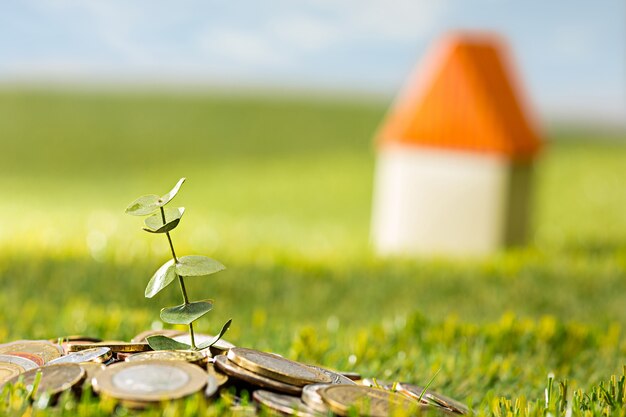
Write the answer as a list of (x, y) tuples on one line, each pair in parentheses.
[(180, 280)]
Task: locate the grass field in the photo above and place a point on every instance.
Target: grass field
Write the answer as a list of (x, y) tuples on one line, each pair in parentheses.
[(279, 190)]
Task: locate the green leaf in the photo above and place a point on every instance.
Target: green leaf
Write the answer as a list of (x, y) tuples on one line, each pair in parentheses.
[(160, 342), (154, 223), (196, 266), (169, 196), (186, 313), (161, 279), (144, 205), (210, 343)]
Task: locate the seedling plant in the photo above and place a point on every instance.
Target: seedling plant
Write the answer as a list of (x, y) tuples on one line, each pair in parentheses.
[(162, 220)]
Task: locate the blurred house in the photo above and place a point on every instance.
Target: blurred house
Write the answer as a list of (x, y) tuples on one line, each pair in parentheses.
[(455, 155)]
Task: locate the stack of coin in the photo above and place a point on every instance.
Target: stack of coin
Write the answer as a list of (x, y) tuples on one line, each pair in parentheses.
[(135, 375)]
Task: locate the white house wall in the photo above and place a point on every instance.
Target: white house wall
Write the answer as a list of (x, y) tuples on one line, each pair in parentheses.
[(430, 201)]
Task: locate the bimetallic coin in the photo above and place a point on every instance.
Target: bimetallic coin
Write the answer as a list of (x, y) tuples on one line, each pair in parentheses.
[(8, 371), (237, 372), (312, 398), (369, 401), (190, 356), (285, 404), (432, 397), (23, 363), (276, 367), (46, 350), (54, 378), (150, 381), (116, 347), (101, 354), (335, 378), (30, 356)]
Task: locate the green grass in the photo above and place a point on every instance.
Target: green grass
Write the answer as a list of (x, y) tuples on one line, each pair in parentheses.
[(279, 190)]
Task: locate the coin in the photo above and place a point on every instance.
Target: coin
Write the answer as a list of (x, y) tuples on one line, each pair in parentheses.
[(101, 354), (190, 356), (285, 404), (276, 367), (230, 368), (25, 364), (219, 347), (150, 381), (440, 400), (143, 336), (92, 369), (220, 377), (312, 398), (212, 386), (38, 359), (54, 378), (46, 350), (373, 402), (116, 347), (8, 371), (335, 378), (355, 376)]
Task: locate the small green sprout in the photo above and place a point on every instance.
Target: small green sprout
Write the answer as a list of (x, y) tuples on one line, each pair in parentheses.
[(164, 220)]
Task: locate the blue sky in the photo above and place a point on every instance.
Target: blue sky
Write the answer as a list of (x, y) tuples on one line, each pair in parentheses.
[(571, 54)]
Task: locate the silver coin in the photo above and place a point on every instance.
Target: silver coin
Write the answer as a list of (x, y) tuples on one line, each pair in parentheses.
[(150, 379), (312, 398), (96, 354), (24, 363), (285, 404), (336, 378)]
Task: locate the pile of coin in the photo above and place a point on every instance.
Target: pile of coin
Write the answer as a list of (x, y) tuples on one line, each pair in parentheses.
[(137, 377)]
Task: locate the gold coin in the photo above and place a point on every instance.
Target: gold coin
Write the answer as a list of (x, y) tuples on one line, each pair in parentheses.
[(284, 404), (54, 378), (190, 356), (222, 363), (101, 354), (116, 347), (8, 371), (46, 350), (149, 381), (374, 402), (276, 367), (432, 397)]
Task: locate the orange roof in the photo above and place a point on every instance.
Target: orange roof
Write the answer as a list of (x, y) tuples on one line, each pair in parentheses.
[(463, 97)]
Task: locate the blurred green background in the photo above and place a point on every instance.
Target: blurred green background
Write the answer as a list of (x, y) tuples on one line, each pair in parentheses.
[(279, 189)]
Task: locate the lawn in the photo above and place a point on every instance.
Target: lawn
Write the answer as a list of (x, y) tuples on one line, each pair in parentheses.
[(279, 190)]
